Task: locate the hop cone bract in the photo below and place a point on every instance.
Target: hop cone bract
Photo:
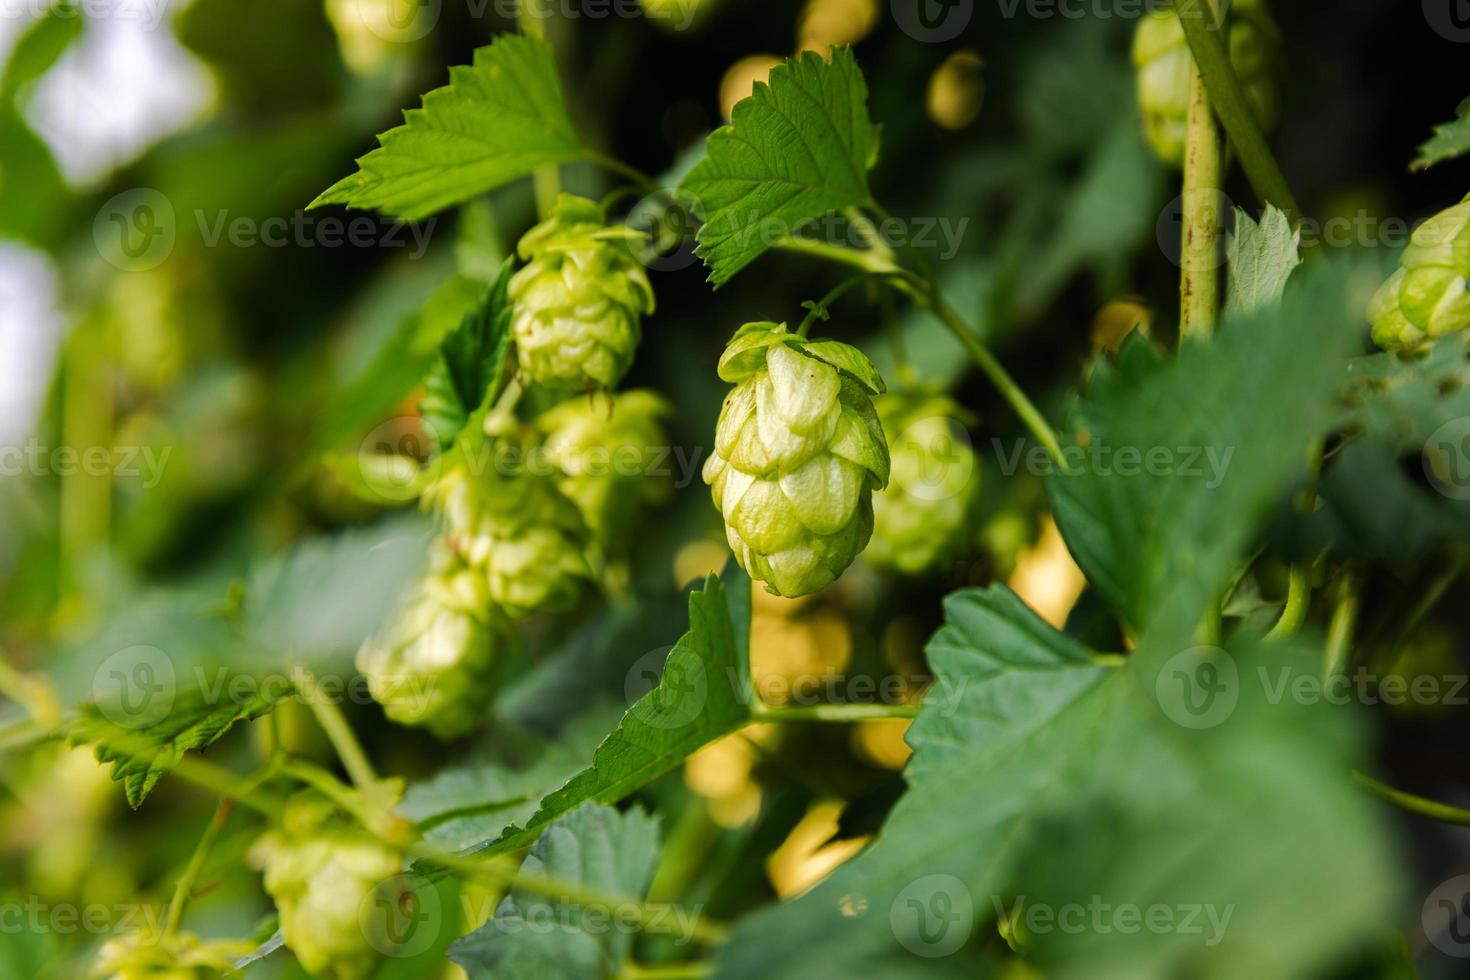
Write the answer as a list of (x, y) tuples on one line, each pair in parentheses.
[(1163, 62), (1426, 297), (319, 869), (798, 453), (579, 298), (926, 514)]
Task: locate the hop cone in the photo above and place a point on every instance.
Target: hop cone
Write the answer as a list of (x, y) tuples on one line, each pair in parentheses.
[(436, 664), (1161, 56), (320, 869), (145, 955), (926, 513), (611, 460), (1426, 296), (579, 298), (528, 540), (798, 453)]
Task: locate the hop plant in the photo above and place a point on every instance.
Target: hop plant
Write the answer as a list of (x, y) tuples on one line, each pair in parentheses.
[(146, 955), (436, 664), (798, 453), (579, 298), (320, 869), (528, 540), (1426, 297), (927, 512), (1163, 61), (606, 457)]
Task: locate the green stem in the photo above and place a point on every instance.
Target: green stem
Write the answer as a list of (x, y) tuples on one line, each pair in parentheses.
[(184, 887), (1298, 597), (819, 309), (666, 971), (1340, 629), (832, 713), (338, 732), (999, 377), (545, 181), (498, 871), (1199, 278), (1432, 809), (1227, 98), (647, 183), (927, 294)]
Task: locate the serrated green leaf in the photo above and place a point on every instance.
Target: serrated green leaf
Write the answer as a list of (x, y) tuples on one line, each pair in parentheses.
[(495, 121), (799, 147), (1450, 140), (704, 693), (1260, 257), (1227, 422), (192, 719), (474, 802), (471, 363), (1080, 789), (540, 938)]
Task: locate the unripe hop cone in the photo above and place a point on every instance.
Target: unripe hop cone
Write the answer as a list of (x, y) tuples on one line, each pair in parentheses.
[(579, 298), (1163, 62), (1426, 297), (528, 540), (143, 954), (319, 869), (798, 453), (436, 664), (611, 458), (926, 515)]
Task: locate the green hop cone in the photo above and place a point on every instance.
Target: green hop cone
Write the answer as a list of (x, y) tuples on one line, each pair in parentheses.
[(1426, 297), (610, 458), (579, 298), (926, 515), (321, 869), (145, 955), (798, 453), (437, 663), (1163, 62), (528, 540)]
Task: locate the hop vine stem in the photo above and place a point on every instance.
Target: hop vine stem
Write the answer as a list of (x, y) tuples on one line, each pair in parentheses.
[(1227, 99), (925, 292)]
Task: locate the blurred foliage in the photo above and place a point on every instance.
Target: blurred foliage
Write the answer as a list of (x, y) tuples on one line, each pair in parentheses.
[(220, 379)]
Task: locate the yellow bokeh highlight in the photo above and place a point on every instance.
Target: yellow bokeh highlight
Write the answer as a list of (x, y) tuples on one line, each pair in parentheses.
[(957, 90), (809, 853), (827, 22), (740, 78), (1046, 578)]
